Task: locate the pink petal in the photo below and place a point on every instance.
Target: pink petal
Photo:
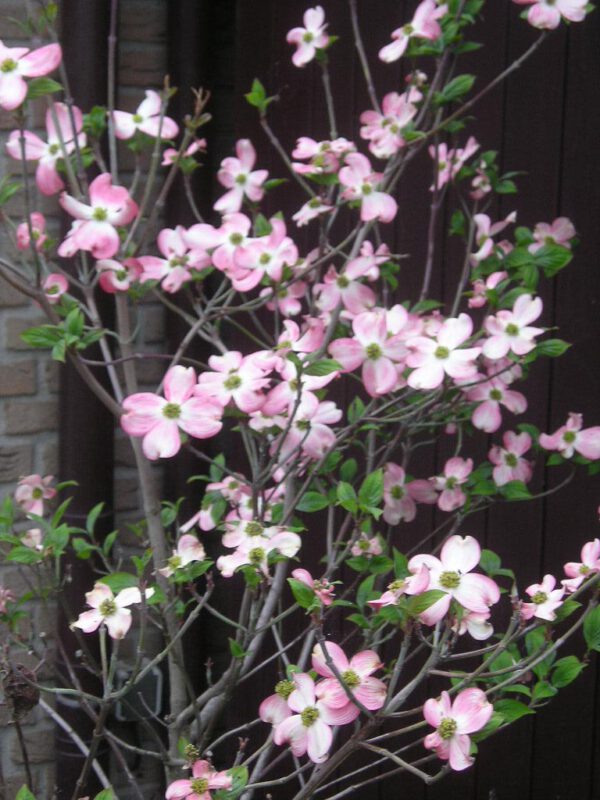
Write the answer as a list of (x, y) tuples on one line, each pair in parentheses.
[(162, 441), (41, 61)]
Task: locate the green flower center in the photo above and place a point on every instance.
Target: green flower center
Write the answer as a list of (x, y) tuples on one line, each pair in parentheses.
[(284, 689), (396, 586), (539, 598), (178, 261), (308, 37), (447, 728), (441, 352), (52, 290), (394, 128), (314, 203), (256, 555), (309, 716), (199, 785), (351, 679), (282, 293), (511, 329), (450, 580), (450, 482), (303, 424), (100, 214), (364, 544), (496, 395), (172, 411), (343, 282), (397, 492), (241, 180), (374, 351), (264, 258), (511, 460), (367, 188), (108, 608), (408, 29), (8, 65), (232, 382), (174, 562), (37, 494), (583, 569), (137, 118), (54, 149), (121, 274), (569, 437), (236, 238), (254, 529)]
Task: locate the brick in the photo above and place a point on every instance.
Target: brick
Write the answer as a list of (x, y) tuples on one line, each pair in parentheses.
[(126, 494), (15, 461), (15, 326), (11, 298), (30, 416), (52, 376), (50, 458), (151, 371), (124, 456), (142, 65), (18, 377), (143, 21)]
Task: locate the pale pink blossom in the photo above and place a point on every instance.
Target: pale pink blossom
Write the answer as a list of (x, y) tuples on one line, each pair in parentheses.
[(312, 209), (456, 473), (476, 625), (324, 590), (450, 161), (6, 596), (286, 299), (561, 231), (362, 184), (490, 395), (433, 358), (31, 492), (452, 573), (545, 599), (54, 286), (578, 572), (400, 498), (324, 157), (158, 420), (38, 230), (384, 130), (357, 674), (482, 287), (310, 432), (61, 123), (171, 155), (110, 610), (508, 461), (294, 383), (511, 331), (224, 241), (95, 226), (424, 25), (188, 550), (147, 119), (267, 255), (367, 546), (454, 721), (546, 14), (236, 175), (236, 378), (485, 231), (18, 63), (381, 356), (115, 276), (310, 38), (308, 730), (204, 779), (481, 183), (254, 545), (570, 439), (274, 709), (416, 583), (176, 268)]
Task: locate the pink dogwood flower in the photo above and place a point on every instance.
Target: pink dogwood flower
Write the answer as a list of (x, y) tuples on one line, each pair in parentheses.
[(286, 299), (324, 157), (450, 161), (312, 209), (159, 419), (361, 184), (366, 546), (94, 228), (310, 38), (188, 550), (424, 25), (171, 155), (267, 255), (476, 625), (452, 573), (509, 466), (416, 583), (482, 287), (545, 599), (456, 472), (236, 379), (491, 394), (357, 674), (570, 439), (384, 131), (381, 356), (310, 432), (204, 779), (561, 231), (511, 331), (179, 260), (579, 571), (485, 232), (400, 498), (253, 544), (38, 230), (6, 596), (59, 125), (18, 63), (110, 610), (236, 175), (54, 286), (31, 492), (454, 721), (146, 119), (115, 276), (324, 590), (546, 14), (433, 359), (274, 709), (308, 730)]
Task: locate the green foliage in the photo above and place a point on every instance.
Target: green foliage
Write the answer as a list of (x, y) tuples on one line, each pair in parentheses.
[(39, 87), (257, 97)]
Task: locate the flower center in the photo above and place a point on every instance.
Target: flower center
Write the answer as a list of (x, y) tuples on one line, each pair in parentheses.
[(396, 586), (100, 214), (496, 395), (309, 716), (374, 351), (569, 437), (303, 424), (441, 352), (308, 37), (284, 689), (314, 203), (172, 411), (447, 728), (512, 329), (8, 65), (264, 258), (449, 580), (137, 118), (108, 608), (408, 29), (450, 482), (511, 460), (364, 544), (583, 569), (199, 785), (539, 598), (254, 529), (351, 679), (236, 238), (343, 282), (256, 555), (366, 188), (397, 492), (232, 382), (174, 562), (54, 149), (121, 274), (178, 261), (37, 493), (241, 180)]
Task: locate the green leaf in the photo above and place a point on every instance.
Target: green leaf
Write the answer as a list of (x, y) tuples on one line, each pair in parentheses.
[(303, 594), (358, 563), (323, 367), (348, 469), (236, 650), (24, 794), (359, 620), (565, 671), (421, 602), (92, 518), (94, 123), (542, 691), (552, 258), (38, 87), (370, 493), (489, 562), (347, 497), (457, 87), (8, 189), (568, 607), (365, 590), (257, 96), (105, 794), (240, 779), (83, 549), (24, 555), (400, 564), (591, 629), (356, 410), (458, 226), (515, 490), (117, 581), (262, 226), (553, 348), (42, 336), (380, 565), (512, 710), (495, 722), (108, 542), (312, 501)]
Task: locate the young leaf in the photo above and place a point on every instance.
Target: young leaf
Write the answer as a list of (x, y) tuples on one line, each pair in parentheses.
[(118, 581), (38, 87), (512, 710), (312, 501), (591, 629), (303, 594), (370, 493), (565, 671)]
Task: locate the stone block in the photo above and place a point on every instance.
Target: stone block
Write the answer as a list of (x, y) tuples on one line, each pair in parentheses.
[(15, 461), (30, 416), (18, 377)]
